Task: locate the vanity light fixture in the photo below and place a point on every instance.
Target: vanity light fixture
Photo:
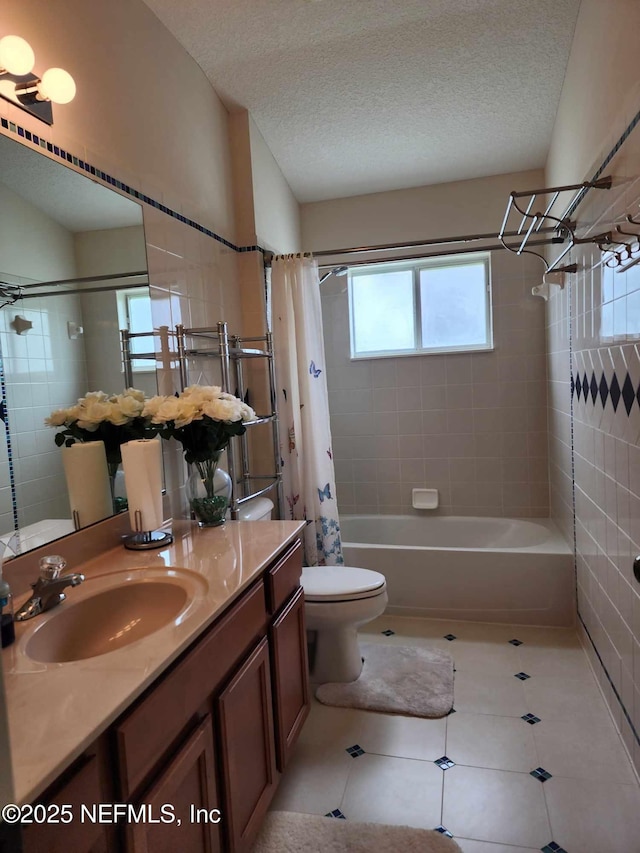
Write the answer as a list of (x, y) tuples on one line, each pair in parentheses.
[(20, 86)]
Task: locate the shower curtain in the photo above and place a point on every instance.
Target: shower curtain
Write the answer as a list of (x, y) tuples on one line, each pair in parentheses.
[(303, 407)]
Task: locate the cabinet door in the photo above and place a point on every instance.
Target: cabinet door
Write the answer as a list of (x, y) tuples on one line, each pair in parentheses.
[(247, 749), (83, 787), (187, 784), (290, 676)]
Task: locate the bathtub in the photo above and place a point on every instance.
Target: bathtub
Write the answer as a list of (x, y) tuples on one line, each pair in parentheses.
[(505, 570)]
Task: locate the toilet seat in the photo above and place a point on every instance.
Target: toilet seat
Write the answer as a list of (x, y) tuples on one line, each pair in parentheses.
[(340, 583)]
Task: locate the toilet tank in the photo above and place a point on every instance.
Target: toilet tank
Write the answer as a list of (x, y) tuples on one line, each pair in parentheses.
[(258, 509)]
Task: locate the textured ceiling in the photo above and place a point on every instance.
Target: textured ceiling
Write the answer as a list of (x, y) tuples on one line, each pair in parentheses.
[(74, 201), (359, 96)]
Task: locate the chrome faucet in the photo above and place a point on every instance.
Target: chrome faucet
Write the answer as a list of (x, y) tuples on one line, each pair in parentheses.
[(47, 590)]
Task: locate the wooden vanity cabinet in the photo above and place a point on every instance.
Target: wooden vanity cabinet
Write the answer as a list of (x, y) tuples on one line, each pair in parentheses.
[(188, 784), (213, 733), (288, 642), (87, 782), (248, 760)]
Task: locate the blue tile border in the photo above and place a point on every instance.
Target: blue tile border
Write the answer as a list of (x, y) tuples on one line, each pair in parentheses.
[(636, 734), (12, 477), (82, 165), (599, 171)]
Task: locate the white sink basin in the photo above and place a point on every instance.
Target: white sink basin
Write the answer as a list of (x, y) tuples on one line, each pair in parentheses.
[(113, 611)]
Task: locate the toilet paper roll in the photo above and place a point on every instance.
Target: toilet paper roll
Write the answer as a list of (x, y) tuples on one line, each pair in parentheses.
[(87, 476), (142, 464)]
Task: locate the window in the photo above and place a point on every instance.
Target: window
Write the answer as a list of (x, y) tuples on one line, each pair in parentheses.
[(430, 305), (134, 314)]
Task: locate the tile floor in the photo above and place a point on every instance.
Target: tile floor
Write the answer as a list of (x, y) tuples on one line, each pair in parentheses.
[(584, 798)]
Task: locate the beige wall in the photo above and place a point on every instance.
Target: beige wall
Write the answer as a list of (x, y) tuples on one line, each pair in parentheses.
[(143, 110), (593, 329), (472, 426), (277, 212), (443, 210), (601, 83)]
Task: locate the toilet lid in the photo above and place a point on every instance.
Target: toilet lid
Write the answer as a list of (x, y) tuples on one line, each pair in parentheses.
[(340, 583)]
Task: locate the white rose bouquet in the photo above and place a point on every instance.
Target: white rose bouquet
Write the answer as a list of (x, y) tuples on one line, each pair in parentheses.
[(99, 417), (203, 419)]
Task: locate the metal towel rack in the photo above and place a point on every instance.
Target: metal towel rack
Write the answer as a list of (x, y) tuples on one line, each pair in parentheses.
[(532, 219)]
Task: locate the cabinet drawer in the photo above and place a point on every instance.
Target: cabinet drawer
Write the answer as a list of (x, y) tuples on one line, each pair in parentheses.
[(146, 736), (284, 578)]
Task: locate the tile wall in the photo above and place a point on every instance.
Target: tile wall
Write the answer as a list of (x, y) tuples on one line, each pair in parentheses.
[(473, 426), (44, 370), (594, 371)]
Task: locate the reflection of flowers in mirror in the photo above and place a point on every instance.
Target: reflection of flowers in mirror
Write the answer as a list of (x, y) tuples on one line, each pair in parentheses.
[(97, 416)]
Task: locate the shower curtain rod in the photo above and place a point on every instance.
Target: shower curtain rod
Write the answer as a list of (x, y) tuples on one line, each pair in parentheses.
[(414, 244), (460, 251)]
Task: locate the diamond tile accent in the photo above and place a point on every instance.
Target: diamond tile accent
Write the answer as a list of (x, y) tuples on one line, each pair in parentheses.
[(516, 642), (540, 774), (388, 632), (452, 711), (531, 719), (336, 813), (552, 847), (614, 392), (450, 637), (443, 831), (522, 676), (593, 388), (444, 763), (578, 386), (585, 387), (628, 394), (604, 390), (355, 751)]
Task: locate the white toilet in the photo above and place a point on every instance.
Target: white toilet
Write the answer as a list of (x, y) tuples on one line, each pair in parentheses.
[(337, 600)]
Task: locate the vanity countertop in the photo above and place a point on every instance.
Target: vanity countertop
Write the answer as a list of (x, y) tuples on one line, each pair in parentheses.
[(56, 710)]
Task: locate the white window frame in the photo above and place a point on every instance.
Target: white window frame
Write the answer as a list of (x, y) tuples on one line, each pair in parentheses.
[(138, 365), (416, 267)]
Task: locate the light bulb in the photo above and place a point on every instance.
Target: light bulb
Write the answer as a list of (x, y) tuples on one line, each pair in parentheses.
[(57, 85), (16, 55)]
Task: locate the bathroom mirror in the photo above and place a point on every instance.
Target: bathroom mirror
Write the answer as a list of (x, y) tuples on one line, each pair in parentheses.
[(77, 251)]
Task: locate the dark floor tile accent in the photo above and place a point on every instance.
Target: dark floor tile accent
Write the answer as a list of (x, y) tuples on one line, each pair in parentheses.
[(516, 642), (540, 774), (449, 637), (552, 847), (443, 831), (388, 632), (355, 751), (444, 763), (531, 719), (336, 813), (452, 711), (522, 676)]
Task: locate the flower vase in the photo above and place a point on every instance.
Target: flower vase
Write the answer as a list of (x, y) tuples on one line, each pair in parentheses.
[(208, 490), (118, 501)]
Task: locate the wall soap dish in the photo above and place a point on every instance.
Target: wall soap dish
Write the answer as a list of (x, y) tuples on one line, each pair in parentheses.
[(424, 498)]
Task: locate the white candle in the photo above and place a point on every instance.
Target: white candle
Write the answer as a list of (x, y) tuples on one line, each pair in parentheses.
[(142, 464), (87, 476)]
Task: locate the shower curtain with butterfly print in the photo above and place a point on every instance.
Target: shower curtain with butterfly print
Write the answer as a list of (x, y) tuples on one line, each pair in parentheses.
[(303, 407)]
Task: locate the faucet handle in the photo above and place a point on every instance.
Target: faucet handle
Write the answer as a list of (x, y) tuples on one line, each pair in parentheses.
[(51, 566)]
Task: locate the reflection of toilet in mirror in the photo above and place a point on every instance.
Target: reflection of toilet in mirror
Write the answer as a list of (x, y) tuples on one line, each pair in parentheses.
[(338, 600)]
